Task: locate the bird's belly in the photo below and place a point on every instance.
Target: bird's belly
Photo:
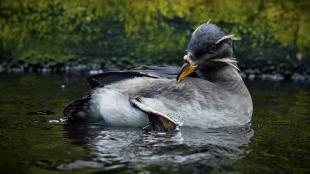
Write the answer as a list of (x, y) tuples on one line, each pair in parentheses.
[(115, 110)]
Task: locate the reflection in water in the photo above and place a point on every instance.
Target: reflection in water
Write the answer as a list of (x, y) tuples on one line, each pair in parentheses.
[(189, 146), (280, 145)]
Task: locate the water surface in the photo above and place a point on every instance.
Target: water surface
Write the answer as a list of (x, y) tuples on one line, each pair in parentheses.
[(277, 141)]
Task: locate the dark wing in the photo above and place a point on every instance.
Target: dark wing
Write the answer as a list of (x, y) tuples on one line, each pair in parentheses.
[(164, 71), (154, 71), (102, 79), (77, 107)]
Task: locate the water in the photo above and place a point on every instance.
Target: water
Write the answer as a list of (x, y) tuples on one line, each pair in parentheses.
[(278, 140)]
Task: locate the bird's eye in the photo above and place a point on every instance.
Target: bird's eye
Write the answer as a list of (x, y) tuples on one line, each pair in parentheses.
[(212, 49)]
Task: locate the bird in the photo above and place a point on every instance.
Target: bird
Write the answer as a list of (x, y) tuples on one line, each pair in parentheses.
[(206, 92)]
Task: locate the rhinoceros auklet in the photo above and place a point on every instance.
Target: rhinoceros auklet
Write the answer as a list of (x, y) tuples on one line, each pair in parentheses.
[(208, 91)]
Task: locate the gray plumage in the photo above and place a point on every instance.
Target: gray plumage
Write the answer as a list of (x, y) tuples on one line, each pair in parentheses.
[(214, 96)]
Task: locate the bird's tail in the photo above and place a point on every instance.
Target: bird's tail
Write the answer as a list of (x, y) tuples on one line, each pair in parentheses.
[(77, 110)]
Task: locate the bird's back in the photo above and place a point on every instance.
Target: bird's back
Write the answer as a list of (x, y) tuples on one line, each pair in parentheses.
[(193, 102)]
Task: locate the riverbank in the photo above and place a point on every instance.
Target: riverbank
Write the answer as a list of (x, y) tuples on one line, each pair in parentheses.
[(295, 73)]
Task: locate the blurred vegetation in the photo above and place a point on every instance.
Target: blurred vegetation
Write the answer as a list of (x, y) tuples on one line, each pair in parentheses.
[(133, 32)]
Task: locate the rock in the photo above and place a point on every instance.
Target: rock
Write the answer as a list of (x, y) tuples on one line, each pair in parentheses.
[(95, 66), (272, 77), (298, 77), (110, 68), (93, 72), (46, 70), (251, 76)]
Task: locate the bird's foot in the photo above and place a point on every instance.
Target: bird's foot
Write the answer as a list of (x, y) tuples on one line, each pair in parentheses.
[(158, 121)]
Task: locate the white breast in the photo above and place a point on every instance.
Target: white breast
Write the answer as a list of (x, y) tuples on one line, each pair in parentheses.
[(114, 108)]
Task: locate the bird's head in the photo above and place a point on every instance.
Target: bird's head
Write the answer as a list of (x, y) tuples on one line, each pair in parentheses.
[(209, 46)]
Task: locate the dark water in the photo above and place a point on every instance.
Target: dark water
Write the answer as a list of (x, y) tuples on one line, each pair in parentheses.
[(277, 142)]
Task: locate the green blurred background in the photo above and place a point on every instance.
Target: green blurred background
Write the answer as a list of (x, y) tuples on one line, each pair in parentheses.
[(127, 33)]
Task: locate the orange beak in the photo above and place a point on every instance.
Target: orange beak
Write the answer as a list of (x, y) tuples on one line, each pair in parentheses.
[(186, 70)]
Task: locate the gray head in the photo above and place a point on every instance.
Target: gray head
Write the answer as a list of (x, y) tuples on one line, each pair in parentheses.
[(209, 46), (204, 43)]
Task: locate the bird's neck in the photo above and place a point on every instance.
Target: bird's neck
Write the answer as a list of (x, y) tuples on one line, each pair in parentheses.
[(223, 73)]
